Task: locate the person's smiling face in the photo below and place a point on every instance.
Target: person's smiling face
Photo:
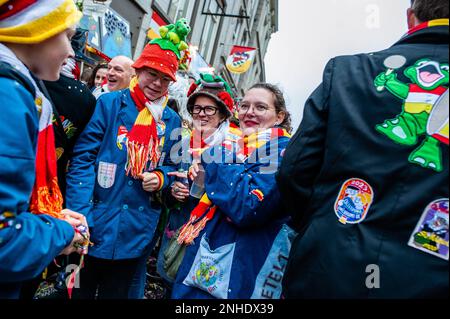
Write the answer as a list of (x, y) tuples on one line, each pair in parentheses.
[(257, 111)]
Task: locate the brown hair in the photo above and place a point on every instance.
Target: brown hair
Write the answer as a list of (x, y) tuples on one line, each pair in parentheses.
[(426, 10), (91, 81), (280, 103)]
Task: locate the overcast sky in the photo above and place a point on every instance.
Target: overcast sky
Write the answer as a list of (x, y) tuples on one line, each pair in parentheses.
[(312, 32)]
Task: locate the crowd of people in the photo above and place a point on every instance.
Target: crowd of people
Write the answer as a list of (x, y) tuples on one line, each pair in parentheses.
[(106, 175)]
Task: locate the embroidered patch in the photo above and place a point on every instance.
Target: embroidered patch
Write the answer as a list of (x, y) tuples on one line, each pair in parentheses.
[(6, 219), (106, 174), (68, 126), (258, 194), (211, 270), (424, 113), (353, 201), (121, 136), (431, 232)]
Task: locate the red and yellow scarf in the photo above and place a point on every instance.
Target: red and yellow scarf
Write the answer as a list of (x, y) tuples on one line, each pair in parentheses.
[(428, 24), (46, 197), (205, 210), (226, 135), (142, 142), (197, 144)]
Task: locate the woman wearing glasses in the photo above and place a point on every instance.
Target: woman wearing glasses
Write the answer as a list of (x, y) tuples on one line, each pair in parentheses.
[(211, 105), (237, 244)]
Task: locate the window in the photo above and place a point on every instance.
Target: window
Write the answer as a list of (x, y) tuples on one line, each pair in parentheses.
[(238, 29), (209, 30), (178, 9), (175, 9), (164, 5)]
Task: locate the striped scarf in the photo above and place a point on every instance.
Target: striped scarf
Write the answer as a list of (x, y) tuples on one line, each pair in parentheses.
[(143, 142), (71, 69), (205, 210), (46, 197), (250, 143), (428, 24), (224, 132)]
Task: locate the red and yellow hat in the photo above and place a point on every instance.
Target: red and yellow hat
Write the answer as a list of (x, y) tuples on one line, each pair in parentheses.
[(154, 57), (34, 21)]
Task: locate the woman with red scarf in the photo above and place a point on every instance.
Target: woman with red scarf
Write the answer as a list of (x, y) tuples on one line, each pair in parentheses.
[(211, 105), (236, 239)]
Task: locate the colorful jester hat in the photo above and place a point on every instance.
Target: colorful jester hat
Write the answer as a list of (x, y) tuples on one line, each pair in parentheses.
[(214, 87), (164, 54)]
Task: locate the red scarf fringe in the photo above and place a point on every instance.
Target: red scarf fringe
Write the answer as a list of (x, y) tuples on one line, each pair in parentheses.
[(143, 142)]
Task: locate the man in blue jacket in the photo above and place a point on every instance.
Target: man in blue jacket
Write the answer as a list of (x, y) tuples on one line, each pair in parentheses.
[(119, 164), (34, 43), (366, 176)]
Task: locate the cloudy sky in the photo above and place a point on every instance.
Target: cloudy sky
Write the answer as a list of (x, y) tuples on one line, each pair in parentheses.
[(312, 32)]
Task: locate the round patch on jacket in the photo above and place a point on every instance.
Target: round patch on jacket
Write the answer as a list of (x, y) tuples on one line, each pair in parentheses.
[(353, 201), (161, 128), (431, 232)]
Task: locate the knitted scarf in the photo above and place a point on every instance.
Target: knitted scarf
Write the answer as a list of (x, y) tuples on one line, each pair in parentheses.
[(143, 142), (250, 143), (428, 24), (205, 210), (46, 196), (198, 144), (71, 69)]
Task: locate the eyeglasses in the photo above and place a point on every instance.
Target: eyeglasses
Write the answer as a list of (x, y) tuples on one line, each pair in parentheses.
[(153, 76), (208, 110), (258, 109)]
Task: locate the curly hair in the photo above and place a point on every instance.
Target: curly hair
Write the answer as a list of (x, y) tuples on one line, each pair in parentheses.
[(280, 103)]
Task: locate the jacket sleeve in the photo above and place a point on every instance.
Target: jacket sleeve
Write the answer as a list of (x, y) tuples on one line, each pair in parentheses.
[(28, 242), (304, 155), (247, 193), (81, 175)]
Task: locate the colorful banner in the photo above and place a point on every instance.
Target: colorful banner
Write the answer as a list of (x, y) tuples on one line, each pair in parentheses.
[(155, 23), (92, 24), (199, 65), (240, 59), (116, 36)]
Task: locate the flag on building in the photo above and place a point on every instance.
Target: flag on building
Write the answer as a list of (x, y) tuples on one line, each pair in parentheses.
[(240, 59), (155, 23)]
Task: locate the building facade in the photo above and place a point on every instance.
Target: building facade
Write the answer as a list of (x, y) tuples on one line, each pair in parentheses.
[(217, 25)]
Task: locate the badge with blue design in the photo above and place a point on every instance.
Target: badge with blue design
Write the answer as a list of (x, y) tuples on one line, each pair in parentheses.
[(122, 134), (160, 128), (431, 232), (353, 201)]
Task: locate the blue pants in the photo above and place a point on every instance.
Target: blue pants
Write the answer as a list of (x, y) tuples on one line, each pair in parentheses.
[(137, 287)]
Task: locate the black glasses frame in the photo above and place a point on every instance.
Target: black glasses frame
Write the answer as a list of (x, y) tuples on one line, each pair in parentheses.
[(203, 109)]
